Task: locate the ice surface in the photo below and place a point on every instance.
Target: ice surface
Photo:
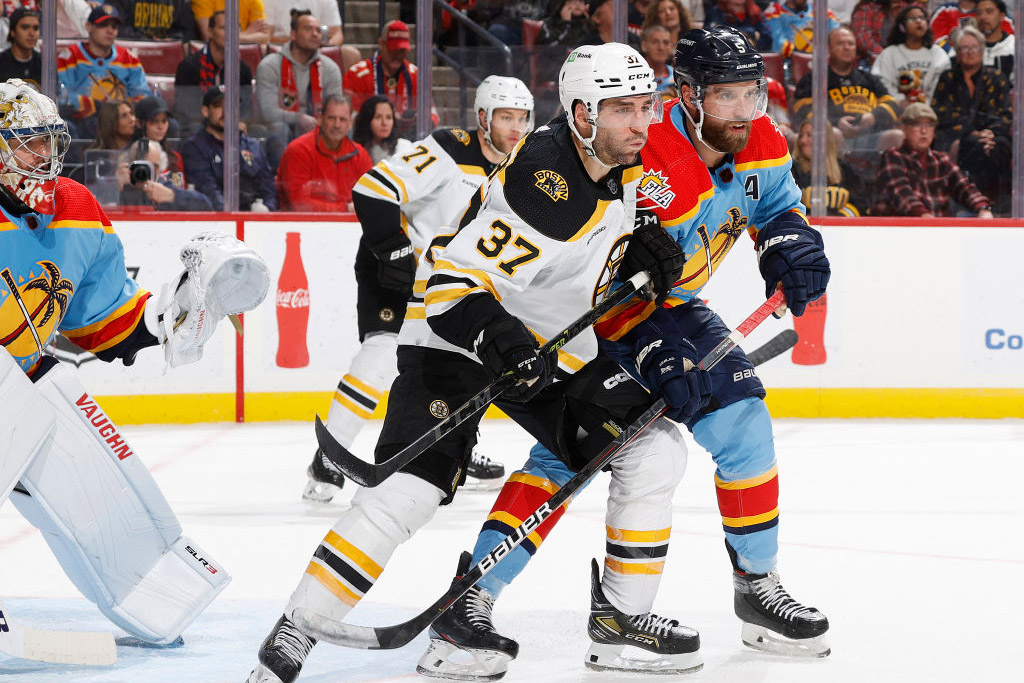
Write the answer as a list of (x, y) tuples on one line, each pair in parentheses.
[(896, 529)]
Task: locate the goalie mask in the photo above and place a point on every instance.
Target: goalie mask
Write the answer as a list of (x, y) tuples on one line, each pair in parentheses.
[(502, 92), (33, 141), (594, 73)]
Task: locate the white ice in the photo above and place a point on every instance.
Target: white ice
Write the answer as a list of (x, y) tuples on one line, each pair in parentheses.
[(902, 532)]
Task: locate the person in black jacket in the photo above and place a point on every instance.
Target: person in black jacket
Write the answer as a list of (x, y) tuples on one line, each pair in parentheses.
[(155, 19), (22, 60)]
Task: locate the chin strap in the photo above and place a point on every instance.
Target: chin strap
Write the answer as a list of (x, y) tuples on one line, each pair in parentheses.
[(697, 127), (11, 203)]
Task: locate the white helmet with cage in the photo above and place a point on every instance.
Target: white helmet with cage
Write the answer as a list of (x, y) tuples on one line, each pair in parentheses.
[(594, 73), (502, 92), (33, 142)]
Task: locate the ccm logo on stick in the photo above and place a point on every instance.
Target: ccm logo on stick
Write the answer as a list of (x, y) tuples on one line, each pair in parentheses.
[(996, 338)]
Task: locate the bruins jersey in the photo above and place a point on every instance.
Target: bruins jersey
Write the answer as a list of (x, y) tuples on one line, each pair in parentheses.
[(67, 270), (422, 188), (707, 210), (541, 241)]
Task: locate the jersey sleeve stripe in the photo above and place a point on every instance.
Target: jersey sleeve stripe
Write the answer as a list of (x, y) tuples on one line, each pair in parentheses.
[(470, 169), (704, 196), (87, 225), (113, 329), (376, 188), (404, 193), (764, 163), (594, 221)]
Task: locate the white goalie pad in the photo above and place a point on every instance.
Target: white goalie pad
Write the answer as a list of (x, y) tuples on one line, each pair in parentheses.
[(222, 276), (26, 423), (110, 527)]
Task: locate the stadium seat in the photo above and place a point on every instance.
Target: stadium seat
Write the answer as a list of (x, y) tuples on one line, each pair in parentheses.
[(334, 52), (163, 87), (800, 63), (251, 54), (158, 59), (773, 66)]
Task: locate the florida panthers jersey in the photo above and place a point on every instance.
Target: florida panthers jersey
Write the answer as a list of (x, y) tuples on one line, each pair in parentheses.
[(707, 210), (69, 274), (541, 239)]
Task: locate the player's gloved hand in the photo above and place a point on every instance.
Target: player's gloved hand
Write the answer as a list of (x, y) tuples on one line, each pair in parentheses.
[(793, 253), (661, 362), (506, 345), (396, 267), (652, 249)]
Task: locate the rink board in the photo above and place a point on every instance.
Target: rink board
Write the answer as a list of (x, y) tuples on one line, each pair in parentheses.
[(921, 322)]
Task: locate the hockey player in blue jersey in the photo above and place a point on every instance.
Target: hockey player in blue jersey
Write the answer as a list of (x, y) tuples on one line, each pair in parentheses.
[(66, 466)]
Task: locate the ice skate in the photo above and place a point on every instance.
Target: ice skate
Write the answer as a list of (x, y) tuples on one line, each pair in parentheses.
[(774, 622), (281, 654), (643, 642), (463, 643), (325, 479), (482, 473)]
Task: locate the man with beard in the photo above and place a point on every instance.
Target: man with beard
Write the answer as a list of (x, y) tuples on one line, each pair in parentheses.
[(999, 45), (203, 155), (714, 168)]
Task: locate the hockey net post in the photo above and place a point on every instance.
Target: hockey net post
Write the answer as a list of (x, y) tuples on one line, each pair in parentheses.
[(88, 648), (398, 635)]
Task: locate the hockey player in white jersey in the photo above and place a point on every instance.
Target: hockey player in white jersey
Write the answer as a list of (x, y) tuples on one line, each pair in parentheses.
[(538, 246), (402, 203), (65, 465)]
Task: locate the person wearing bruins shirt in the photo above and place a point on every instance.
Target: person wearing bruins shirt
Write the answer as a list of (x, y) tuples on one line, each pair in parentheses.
[(537, 248), (402, 203)]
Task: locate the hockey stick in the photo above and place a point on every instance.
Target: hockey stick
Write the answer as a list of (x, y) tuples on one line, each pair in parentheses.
[(371, 474), (776, 346), (90, 648), (391, 637)]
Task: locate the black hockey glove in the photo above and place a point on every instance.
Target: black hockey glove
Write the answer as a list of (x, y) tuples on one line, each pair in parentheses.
[(660, 361), (506, 345), (791, 252), (652, 249), (396, 267)]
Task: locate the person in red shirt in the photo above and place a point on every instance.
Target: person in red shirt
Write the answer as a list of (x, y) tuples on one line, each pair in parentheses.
[(319, 169)]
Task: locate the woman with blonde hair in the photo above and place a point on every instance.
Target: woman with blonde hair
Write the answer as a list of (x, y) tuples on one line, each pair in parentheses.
[(844, 193), (671, 14)]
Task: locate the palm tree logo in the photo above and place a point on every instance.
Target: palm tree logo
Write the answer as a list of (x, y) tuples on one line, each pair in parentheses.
[(57, 291)]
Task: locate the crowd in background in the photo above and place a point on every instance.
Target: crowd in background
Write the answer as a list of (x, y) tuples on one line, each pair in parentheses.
[(919, 95)]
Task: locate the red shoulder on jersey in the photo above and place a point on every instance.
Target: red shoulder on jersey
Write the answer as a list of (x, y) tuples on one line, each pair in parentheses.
[(75, 203), (767, 143)]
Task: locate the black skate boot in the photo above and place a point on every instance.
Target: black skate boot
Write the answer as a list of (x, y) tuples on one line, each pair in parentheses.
[(772, 620), (325, 479), (482, 472), (644, 642), (466, 631), (282, 654)]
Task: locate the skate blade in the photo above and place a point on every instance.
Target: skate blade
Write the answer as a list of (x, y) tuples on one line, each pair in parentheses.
[(605, 657), (445, 660), (474, 484), (320, 492), (774, 643)]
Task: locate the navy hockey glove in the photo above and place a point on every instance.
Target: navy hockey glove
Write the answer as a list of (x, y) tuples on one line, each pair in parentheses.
[(660, 361), (791, 252), (396, 267), (652, 249), (506, 344)]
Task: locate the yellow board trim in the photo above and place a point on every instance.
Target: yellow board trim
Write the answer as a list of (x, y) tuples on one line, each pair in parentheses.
[(364, 561), (634, 568), (747, 483), (630, 536), (332, 584)]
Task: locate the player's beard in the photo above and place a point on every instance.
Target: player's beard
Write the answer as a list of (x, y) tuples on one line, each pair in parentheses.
[(614, 152), (717, 134)]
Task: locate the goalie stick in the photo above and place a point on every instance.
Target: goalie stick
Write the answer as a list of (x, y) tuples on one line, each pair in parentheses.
[(398, 635), (90, 648), (776, 346), (371, 474)]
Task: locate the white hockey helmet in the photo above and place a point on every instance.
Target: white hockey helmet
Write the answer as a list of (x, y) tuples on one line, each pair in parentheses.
[(502, 92), (594, 73), (33, 142)]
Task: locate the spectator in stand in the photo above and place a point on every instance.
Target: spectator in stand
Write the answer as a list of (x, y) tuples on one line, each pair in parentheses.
[(601, 21), (159, 190), (319, 169), (280, 19), (204, 162), (71, 18), (671, 14), (635, 15), (871, 23), (155, 19), (999, 45), (957, 14), (388, 73), (916, 180), (975, 119), (291, 84), (844, 194), (910, 64), (202, 70), (115, 125), (375, 129), (96, 70), (22, 60), (744, 15), (251, 19), (658, 49), (153, 121), (843, 9), (568, 24), (791, 25), (505, 17)]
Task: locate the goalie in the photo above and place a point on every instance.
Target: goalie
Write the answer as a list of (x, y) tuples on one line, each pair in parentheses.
[(66, 466)]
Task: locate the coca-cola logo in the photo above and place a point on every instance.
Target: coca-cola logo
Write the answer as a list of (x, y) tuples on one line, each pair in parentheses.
[(297, 298)]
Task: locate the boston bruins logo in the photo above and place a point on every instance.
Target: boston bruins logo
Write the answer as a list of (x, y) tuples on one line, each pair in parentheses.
[(552, 184), (387, 315), (439, 409), (611, 266), (462, 136)]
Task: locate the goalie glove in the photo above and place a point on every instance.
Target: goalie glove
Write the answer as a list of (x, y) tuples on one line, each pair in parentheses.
[(222, 276)]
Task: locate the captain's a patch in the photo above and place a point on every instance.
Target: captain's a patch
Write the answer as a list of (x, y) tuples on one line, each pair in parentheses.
[(552, 184)]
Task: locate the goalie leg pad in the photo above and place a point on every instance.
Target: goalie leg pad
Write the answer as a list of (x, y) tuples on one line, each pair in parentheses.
[(109, 525), (371, 373), (26, 423)]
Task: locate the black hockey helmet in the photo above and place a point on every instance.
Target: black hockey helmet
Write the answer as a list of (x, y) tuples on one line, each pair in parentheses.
[(718, 55)]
